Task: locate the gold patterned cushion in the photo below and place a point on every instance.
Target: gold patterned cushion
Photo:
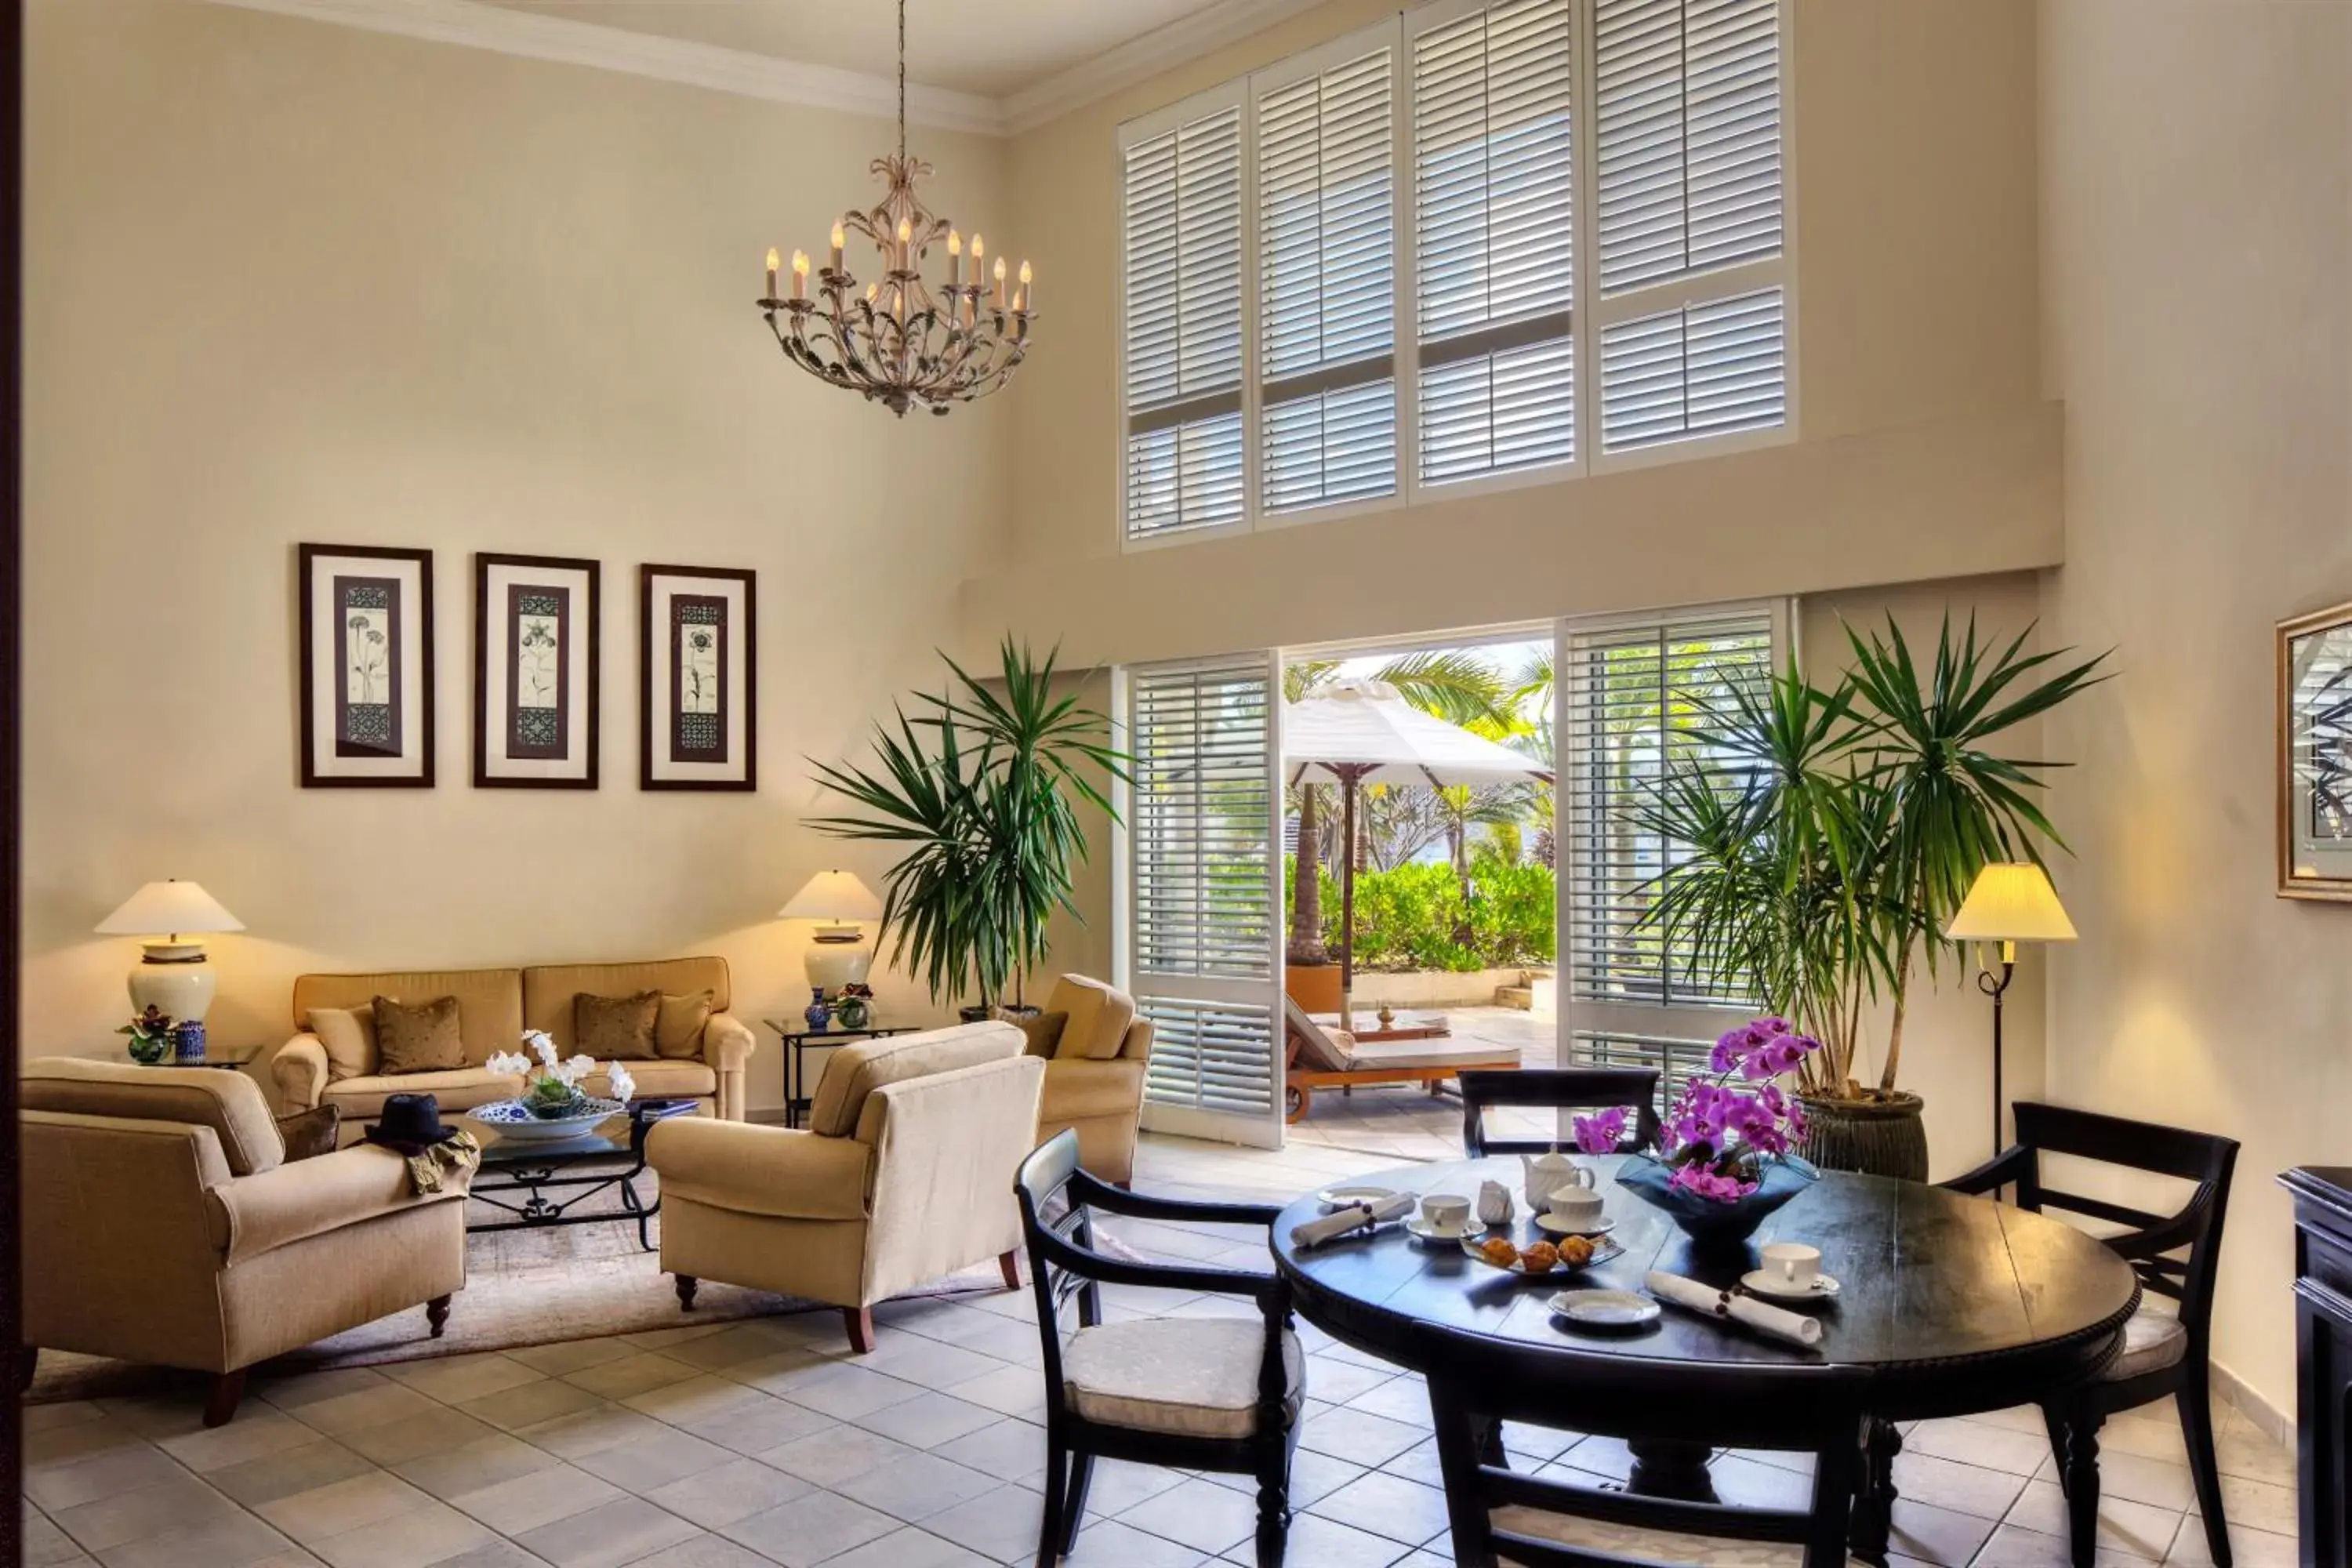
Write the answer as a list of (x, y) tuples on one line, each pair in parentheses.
[(679, 1031), (616, 1026), (1043, 1031), (307, 1133), (348, 1034), (1196, 1376), (422, 1037)]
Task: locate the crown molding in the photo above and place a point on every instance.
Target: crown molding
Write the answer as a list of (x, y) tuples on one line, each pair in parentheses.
[(531, 35), (567, 42), (1139, 59)]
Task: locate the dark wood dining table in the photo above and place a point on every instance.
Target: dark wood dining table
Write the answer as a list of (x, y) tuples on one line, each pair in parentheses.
[(1946, 1306)]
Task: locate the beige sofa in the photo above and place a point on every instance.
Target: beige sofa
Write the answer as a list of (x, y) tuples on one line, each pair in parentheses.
[(162, 1225), (1093, 1081), (494, 1007), (903, 1175)]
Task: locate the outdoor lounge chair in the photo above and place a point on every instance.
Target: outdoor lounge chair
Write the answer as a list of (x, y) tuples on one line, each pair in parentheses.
[(1317, 1057)]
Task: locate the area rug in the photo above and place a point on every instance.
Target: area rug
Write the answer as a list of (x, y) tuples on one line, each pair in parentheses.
[(523, 1288)]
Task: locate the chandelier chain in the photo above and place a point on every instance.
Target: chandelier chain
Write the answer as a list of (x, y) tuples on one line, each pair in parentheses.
[(902, 81)]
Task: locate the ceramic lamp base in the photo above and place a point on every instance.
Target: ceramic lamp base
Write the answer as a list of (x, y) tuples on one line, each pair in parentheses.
[(175, 979), (833, 963)]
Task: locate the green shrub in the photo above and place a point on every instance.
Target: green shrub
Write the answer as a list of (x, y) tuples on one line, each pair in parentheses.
[(1415, 917)]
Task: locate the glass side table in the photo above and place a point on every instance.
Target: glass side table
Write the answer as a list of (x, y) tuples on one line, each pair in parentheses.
[(799, 1039)]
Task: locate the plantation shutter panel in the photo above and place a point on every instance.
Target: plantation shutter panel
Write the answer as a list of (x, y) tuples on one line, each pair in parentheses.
[(1327, 285), (1182, 279), (1690, 219), (1495, 264), (1204, 922), (1629, 705)]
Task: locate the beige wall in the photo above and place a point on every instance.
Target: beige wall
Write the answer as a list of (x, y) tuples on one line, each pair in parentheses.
[(1927, 450), (2198, 218), (293, 281)]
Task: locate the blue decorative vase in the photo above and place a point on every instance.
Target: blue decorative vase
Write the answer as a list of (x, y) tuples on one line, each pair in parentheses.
[(1708, 1220), (188, 1040), (819, 1015)]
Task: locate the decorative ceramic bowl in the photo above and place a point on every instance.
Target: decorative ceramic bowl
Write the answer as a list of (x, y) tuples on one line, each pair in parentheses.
[(515, 1123), (1710, 1220)]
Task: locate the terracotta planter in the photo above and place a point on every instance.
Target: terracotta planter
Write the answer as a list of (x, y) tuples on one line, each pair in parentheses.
[(1875, 1137)]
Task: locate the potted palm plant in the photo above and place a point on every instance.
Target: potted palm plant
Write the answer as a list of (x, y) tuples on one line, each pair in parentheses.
[(1827, 836), (980, 788)]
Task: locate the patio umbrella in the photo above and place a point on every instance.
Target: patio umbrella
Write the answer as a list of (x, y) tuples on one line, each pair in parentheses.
[(1355, 733)]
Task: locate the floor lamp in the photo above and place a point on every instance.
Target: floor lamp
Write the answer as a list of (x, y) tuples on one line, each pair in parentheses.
[(2010, 903)]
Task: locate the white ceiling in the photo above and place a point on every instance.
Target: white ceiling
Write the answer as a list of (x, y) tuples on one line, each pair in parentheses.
[(992, 48)]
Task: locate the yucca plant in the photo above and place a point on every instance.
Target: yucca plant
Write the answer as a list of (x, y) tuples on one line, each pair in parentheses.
[(981, 785), (1824, 838)]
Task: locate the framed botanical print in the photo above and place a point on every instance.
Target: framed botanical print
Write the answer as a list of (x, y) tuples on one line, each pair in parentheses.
[(366, 617), (698, 697), (2315, 755), (537, 657)]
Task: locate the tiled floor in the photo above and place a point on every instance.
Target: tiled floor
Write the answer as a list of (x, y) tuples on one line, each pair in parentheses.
[(766, 1443)]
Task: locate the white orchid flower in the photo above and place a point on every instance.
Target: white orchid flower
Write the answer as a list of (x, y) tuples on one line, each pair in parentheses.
[(624, 1088), (576, 1070), (538, 1040), (508, 1061)]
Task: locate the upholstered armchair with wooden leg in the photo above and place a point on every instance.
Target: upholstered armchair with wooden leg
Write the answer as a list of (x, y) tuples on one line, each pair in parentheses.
[(163, 1224), (904, 1174)]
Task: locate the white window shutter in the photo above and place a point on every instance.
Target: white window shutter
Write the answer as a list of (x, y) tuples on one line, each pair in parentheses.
[(1706, 369), (1493, 161), (1628, 703), (1327, 291), (1183, 339)]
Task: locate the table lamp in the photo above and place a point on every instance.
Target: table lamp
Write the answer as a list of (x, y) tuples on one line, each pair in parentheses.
[(836, 900), (2011, 901), (171, 975)]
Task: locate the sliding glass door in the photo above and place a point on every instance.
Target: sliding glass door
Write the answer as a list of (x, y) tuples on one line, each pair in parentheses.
[(1200, 880)]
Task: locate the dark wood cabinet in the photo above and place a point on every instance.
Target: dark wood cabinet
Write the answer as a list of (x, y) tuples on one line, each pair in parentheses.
[(2322, 1332)]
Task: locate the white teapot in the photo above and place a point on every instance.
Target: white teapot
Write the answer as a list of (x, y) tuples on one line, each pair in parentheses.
[(1547, 1172)]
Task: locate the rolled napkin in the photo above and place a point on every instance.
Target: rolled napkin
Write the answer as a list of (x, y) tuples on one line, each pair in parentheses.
[(1352, 1217), (1793, 1327)]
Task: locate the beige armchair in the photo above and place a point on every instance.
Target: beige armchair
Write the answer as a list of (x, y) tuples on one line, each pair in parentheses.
[(1093, 1081), (162, 1224), (903, 1175)]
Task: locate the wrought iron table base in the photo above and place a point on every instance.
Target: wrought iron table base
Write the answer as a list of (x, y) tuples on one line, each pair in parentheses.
[(539, 1209)]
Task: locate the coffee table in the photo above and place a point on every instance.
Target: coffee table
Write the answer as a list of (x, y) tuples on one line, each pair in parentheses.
[(610, 1155)]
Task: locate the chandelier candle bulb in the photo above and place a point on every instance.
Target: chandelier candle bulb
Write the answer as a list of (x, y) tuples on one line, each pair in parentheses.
[(773, 260), (1000, 283), (837, 238), (1028, 288), (800, 275)]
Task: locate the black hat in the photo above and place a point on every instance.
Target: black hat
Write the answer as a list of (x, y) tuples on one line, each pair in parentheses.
[(410, 1124)]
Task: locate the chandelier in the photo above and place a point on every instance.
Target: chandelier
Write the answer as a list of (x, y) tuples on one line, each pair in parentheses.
[(896, 341)]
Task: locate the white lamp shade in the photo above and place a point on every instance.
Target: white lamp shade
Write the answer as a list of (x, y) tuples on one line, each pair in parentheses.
[(836, 895), (2011, 902), (169, 908)]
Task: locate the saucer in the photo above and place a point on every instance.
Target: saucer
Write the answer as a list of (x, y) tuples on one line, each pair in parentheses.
[(1757, 1282), (1559, 1227), (1605, 1309), (1428, 1232), (1340, 1197)]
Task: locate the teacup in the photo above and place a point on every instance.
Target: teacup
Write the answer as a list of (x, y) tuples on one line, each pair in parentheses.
[(1793, 1264), (1576, 1206), (1446, 1212)]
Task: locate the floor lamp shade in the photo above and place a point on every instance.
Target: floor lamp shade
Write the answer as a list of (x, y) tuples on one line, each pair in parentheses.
[(2010, 902), (172, 974), (838, 901)]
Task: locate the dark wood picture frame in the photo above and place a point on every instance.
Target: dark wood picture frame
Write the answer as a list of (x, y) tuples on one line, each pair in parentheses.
[(656, 726), (2335, 618), (590, 735), (307, 559)]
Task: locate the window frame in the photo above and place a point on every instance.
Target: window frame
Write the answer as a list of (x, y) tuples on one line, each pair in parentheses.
[(1592, 312)]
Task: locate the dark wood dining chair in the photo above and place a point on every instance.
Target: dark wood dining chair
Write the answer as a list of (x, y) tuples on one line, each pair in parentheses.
[(1474, 1386), (2175, 1256), (1193, 1394), (1558, 1088)]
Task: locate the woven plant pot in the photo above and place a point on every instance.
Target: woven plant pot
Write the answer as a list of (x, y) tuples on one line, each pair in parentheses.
[(1875, 1137)]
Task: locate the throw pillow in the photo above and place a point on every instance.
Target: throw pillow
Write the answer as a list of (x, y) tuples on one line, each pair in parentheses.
[(307, 1133), (1043, 1031), (679, 1031), (419, 1038), (616, 1026), (349, 1036)]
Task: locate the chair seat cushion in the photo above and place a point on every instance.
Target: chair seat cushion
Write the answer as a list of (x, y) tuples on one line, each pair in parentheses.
[(688, 1078), (1194, 1377), (1384, 1055), (2152, 1338)]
